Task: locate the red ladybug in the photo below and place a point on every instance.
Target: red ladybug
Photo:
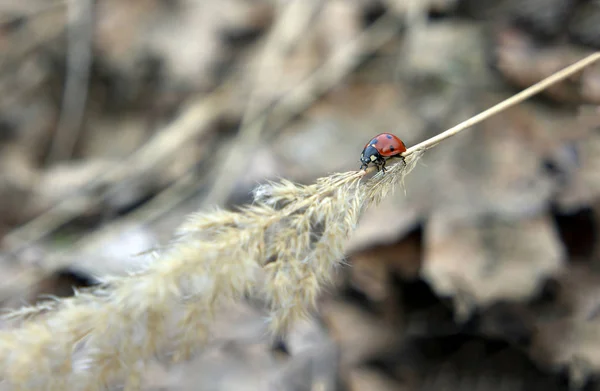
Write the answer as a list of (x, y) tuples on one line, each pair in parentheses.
[(381, 148)]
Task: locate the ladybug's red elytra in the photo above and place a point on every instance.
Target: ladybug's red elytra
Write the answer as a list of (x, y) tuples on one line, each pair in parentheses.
[(381, 148)]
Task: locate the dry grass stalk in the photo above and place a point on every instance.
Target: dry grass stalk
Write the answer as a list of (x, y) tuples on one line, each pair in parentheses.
[(284, 247)]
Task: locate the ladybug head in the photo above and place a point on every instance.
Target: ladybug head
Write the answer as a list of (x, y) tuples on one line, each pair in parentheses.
[(369, 155)]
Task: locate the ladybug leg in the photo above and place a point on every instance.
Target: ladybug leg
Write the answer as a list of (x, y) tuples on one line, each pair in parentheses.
[(380, 163), (401, 158)]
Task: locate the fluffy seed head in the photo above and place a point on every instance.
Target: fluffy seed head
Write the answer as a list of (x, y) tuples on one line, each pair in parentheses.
[(283, 248)]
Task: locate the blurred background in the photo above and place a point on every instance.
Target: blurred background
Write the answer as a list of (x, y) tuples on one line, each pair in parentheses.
[(118, 118)]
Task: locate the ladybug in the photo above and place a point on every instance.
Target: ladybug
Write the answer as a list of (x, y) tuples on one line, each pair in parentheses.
[(381, 148)]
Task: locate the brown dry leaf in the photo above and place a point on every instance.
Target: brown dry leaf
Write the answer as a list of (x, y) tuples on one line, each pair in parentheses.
[(590, 84), (390, 220), (523, 63), (358, 334), (496, 166), (494, 169), (182, 37), (582, 186), (313, 364), (440, 70), (370, 276), (371, 267), (567, 329), (472, 260)]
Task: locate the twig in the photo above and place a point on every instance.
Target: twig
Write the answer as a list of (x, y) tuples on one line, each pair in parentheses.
[(333, 71), (512, 101), (146, 214), (281, 37), (195, 118), (193, 121), (79, 57)]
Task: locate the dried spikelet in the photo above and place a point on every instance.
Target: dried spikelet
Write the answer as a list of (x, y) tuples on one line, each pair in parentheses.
[(283, 248), (381, 185)]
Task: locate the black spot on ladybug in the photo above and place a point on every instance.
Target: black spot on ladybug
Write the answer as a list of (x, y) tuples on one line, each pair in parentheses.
[(374, 141), (389, 137), (391, 149)]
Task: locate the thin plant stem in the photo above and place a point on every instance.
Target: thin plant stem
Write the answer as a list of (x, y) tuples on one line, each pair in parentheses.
[(505, 104)]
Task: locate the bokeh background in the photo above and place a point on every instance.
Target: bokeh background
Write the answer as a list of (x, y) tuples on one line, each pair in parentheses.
[(120, 117)]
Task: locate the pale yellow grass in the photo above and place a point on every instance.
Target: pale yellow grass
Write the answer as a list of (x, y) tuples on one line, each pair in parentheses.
[(283, 248)]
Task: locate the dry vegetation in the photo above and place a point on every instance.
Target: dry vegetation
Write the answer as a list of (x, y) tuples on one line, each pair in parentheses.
[(119, 120)]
